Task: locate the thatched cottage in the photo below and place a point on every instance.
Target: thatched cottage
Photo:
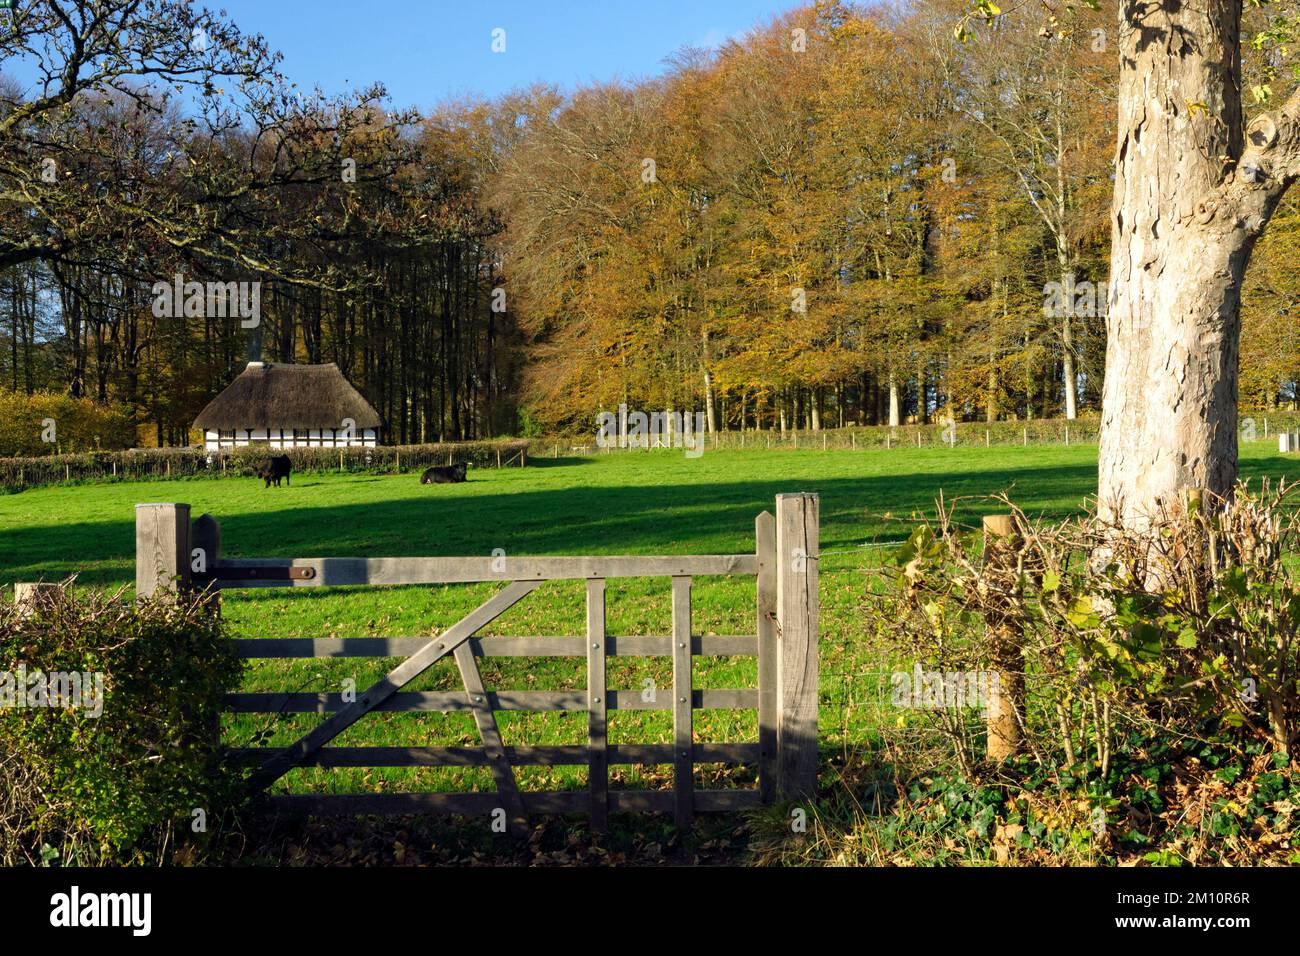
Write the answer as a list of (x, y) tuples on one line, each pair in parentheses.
[(289, 406)]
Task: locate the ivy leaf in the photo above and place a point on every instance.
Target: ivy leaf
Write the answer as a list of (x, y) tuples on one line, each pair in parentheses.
[(1082, 614)]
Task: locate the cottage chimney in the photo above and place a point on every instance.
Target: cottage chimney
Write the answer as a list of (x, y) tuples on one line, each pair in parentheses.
[(255, 346)]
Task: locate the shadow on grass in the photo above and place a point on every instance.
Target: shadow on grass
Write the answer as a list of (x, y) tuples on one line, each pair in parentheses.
[(707, 517)]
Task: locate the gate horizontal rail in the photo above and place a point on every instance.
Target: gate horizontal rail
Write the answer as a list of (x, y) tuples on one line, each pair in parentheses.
[(702, 645), (558, 801), (744, 698), (555, 755), (351, 572)]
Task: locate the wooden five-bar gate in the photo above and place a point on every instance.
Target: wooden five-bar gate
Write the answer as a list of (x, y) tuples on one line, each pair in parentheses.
[(173, 553)]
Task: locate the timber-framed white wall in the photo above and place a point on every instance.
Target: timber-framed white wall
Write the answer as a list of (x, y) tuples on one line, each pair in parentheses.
[(214, 439)]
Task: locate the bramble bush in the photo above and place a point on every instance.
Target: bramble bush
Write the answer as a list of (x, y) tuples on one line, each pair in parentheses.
[(1188, 626), (121, 787)]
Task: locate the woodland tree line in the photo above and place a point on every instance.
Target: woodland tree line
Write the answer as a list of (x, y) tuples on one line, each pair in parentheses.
[(851, 215)]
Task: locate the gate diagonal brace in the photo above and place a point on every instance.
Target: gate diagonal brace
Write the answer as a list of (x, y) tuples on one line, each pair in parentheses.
[(502, 772), (392, 682)]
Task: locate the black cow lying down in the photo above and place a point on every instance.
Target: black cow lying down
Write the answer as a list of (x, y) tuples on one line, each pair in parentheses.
[(443, 475), (276, 467)]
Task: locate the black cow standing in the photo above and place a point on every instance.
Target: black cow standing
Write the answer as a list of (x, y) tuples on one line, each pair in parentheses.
[(443, 475), (276, 467)]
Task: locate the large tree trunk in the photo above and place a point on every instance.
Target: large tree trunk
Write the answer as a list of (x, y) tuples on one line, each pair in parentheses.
[(1189, 204)]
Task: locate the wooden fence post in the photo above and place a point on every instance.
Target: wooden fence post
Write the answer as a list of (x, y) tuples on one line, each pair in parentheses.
[(162, 549), (28, 594), (205, 544), (205, 551), (597, 706), (683, 707), (1003, 633), (797, 689), (768, 655)]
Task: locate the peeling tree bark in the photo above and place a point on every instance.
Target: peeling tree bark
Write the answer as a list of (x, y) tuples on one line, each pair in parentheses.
[(1192, 195)]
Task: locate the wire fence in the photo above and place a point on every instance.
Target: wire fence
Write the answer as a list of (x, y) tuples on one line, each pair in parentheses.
[(848, 438), (1253, 426), (17, 474)]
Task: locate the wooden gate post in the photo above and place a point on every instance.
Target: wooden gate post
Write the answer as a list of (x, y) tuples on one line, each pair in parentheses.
[(797, 693), (768, 656), (1002, 632), (162, 550), (205, 544)]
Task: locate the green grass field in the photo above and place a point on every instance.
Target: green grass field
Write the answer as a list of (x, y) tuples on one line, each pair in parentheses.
[(630, 503)]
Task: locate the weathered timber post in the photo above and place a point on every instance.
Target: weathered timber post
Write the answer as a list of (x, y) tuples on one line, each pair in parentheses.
[(162, 550), (1003, 634), (203, 554), (797, 690), (597, 707), (205, 545), (768, 656), (28, 595)]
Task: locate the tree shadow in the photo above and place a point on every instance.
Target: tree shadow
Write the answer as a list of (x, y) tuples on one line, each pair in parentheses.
[(647, 518)]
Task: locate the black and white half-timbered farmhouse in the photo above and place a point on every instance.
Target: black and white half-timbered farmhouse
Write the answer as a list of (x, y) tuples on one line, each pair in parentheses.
[(289, 406)]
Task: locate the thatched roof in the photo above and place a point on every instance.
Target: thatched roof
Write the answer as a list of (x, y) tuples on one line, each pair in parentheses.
[(288, 396)]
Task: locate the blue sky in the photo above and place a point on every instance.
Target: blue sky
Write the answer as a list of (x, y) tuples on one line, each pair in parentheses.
[(429, 51)]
